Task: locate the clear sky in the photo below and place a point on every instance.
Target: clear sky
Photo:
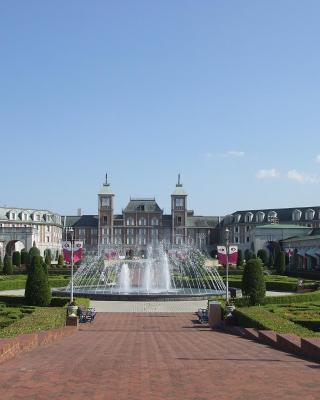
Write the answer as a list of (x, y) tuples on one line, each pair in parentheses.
[(225, 92)]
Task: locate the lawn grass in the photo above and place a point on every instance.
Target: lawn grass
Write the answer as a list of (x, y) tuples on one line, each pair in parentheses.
[(43, 318), (13, 282)]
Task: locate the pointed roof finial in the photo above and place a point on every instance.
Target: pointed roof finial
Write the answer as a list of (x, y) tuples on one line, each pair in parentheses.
[(106, 182), (179, 183)]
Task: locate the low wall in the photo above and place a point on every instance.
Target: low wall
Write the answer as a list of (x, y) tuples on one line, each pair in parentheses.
[(10, 347)]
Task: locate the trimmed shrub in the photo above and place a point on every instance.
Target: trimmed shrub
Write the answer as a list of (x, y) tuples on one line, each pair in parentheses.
[(16, 258), (240, 258), (7, 265), (48, 257), (263, 255), (1, 264), (260, 318), (270, 260), (34, 251), (253, 283), (280, 263), (24, 257), (60, 260), (247, 254), (37, 291)]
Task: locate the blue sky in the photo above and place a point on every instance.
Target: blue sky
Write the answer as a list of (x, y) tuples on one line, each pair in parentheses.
[(225, 92)]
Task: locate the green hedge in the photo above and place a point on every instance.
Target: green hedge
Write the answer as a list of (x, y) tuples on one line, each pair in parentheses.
[(260, 318), (295, 298), (55, 301)]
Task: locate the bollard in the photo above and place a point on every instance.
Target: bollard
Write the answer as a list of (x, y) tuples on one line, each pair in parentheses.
[(214, 314)]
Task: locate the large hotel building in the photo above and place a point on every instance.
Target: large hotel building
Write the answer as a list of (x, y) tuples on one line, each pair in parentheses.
[(143, 222)]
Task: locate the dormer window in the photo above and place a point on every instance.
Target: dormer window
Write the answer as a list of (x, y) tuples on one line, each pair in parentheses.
[(154, 221), (25, 217), (272, 217), (310, 214), (237, 218), (248, 217), (296, 215), (260, 216), (13, 215)]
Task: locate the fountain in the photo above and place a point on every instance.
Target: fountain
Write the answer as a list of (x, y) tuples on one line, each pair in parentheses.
[(176, 273)]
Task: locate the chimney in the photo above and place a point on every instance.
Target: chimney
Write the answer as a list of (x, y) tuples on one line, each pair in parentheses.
[(79, 212)]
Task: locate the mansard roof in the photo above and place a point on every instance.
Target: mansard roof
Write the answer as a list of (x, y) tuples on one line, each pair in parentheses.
[(283, 214), (81, 221), (199, 221), (143, 205)]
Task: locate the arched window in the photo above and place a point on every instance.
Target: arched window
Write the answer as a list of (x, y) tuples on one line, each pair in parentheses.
[(154, 221), (296, 215), (272, 217), (142, 221), (260, 216), (130, 221), (248, 217), (310, 214), (237, 218)]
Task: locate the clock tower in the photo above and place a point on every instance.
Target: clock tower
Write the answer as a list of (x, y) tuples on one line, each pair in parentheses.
[(105, 209)]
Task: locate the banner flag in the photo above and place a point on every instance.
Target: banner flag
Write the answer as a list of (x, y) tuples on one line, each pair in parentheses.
[(232, 255), (77, 251), (222, 255)]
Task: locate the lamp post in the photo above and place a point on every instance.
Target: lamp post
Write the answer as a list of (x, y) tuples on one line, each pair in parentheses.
[(71, 231), (227, 232)]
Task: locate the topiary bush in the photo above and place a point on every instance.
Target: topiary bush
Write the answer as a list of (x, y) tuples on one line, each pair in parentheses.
[(16, 258), (263, 255), (280, 262), (33, 252), (37, 291), (24, 257), (1, 264), (240, 258), (7, 265), (60, 261), (253, 283)]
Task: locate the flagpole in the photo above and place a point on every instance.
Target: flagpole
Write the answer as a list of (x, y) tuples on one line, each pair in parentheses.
[(227, 269)]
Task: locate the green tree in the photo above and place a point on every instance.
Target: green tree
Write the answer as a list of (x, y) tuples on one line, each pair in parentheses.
[(48, 258), (37, 291), (263, 255), (16, 258), (247, 254), (271, 260), (7, 265), (60, 260), (24, 257), (33, 252), (240, 258), (280, 262), (253, 283), (1, 264)]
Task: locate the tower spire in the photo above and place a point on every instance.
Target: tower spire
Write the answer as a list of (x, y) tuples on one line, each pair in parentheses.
[(106, 183), (179, 183)]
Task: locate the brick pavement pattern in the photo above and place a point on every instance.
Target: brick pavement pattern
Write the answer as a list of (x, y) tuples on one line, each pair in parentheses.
[(131, 356)]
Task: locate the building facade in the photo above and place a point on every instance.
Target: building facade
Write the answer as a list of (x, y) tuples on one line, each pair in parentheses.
[(21, 228), (242, 224), (143, 223)]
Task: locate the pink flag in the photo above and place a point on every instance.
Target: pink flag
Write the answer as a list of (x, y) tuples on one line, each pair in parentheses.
[(233, 255), (77, 251), (222, 255)]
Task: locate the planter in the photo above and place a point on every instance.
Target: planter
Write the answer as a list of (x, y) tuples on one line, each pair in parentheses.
[(229, 310), (72, 311)]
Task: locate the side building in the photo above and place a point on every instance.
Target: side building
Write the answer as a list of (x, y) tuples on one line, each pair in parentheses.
[(254, 229), (22, 227), (143, 223)]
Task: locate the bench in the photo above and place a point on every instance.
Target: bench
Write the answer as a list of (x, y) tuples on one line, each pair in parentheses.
[(203, 316), (86, 315)]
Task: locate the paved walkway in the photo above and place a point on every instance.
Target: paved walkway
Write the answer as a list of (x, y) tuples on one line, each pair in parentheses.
[(140, 356)]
